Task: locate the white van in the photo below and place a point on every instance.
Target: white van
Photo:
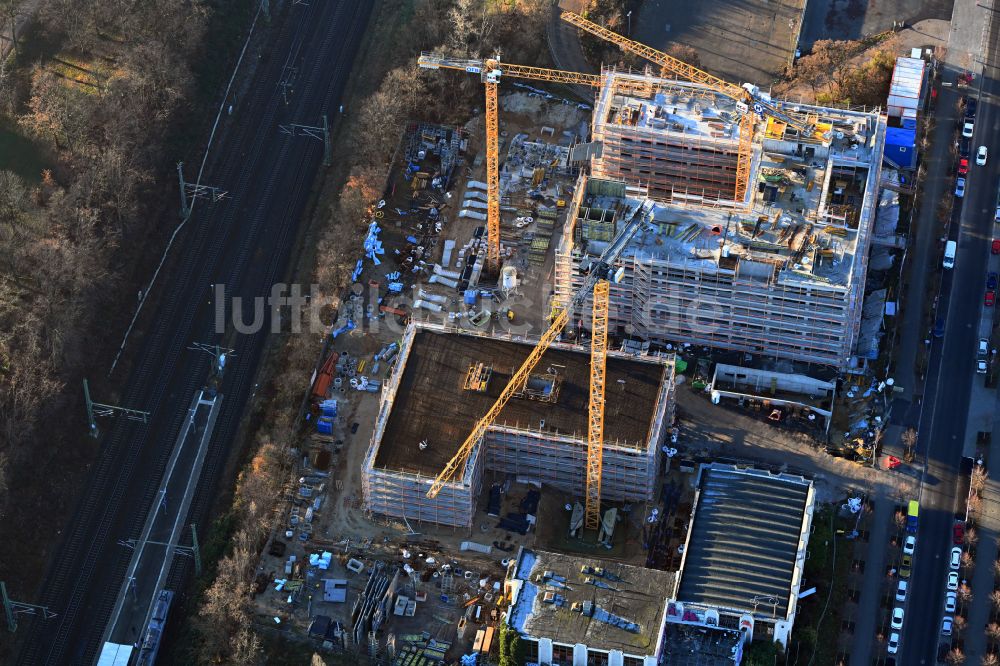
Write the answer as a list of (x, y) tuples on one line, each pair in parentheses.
[(949, 254)]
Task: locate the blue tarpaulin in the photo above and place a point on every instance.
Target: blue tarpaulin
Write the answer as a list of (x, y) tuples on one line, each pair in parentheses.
[(349, 326)]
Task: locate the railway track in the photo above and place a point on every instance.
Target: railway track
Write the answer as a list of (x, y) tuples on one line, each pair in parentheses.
[(268, 175), (303, 179)]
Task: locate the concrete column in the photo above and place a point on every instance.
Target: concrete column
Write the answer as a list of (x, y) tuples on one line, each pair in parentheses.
[(545, 651), (579, 655), (616, 658)]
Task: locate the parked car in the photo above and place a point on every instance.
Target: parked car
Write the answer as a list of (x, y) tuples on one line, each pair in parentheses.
[(960, 187), (901, 590), (995, 246), (958, 530), (981, 156), (956, 558), (904, 567), (963, 166), (964, 147), (938, 327), (897, 617), (893, 646), (968, 128), (950, 602), (992, 280), (952, 580), (946, 626), (970, 108), (910, 544), (990, 299)]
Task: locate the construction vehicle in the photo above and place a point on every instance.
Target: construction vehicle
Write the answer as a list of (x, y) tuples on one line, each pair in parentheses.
[(601, 273), (491, 71), (748, 97)]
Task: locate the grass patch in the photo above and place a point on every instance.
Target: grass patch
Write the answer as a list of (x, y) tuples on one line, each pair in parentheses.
[(830, 576)]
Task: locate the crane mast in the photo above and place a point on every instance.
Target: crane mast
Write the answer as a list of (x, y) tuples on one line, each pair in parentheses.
[(490, 72), (492, 178), (595, 429)]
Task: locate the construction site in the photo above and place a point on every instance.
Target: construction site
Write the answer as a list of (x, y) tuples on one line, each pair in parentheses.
[(771, 262), (495, 438)]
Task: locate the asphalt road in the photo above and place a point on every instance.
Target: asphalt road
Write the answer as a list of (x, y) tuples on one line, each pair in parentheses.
[(946, 400), (243, 242)]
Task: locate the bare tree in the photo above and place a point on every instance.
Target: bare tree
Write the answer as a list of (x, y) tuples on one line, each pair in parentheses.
[(971, 537), (995, 600), (964, 593), (685, 53), (993, 631), (8, 90), (967, 561), (8, 13), (900, 519), (4, 470), (978, 479), (955, 657), (959, 624), (990, 659)]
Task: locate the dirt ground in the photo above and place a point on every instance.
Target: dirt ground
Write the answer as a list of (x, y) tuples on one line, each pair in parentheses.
[(708, 430), (751, 41)]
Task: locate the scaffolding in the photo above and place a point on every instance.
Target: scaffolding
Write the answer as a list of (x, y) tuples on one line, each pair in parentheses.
[(668, 158), (527, 450), (781, 274)]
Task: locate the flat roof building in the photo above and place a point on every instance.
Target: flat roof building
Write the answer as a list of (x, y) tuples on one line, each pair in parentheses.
[(745, 552), (445, 380), (780, 272), (588, 612)]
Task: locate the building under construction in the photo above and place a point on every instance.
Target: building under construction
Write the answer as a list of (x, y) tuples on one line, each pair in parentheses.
[(445, 380), (780, 272)]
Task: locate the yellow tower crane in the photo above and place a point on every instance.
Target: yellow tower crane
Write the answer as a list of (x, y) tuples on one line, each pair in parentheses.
[(600, 271), (595, 429), (749, 99), (490, 72)]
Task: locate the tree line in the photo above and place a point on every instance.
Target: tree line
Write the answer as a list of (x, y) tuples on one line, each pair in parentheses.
[(96, 87)]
